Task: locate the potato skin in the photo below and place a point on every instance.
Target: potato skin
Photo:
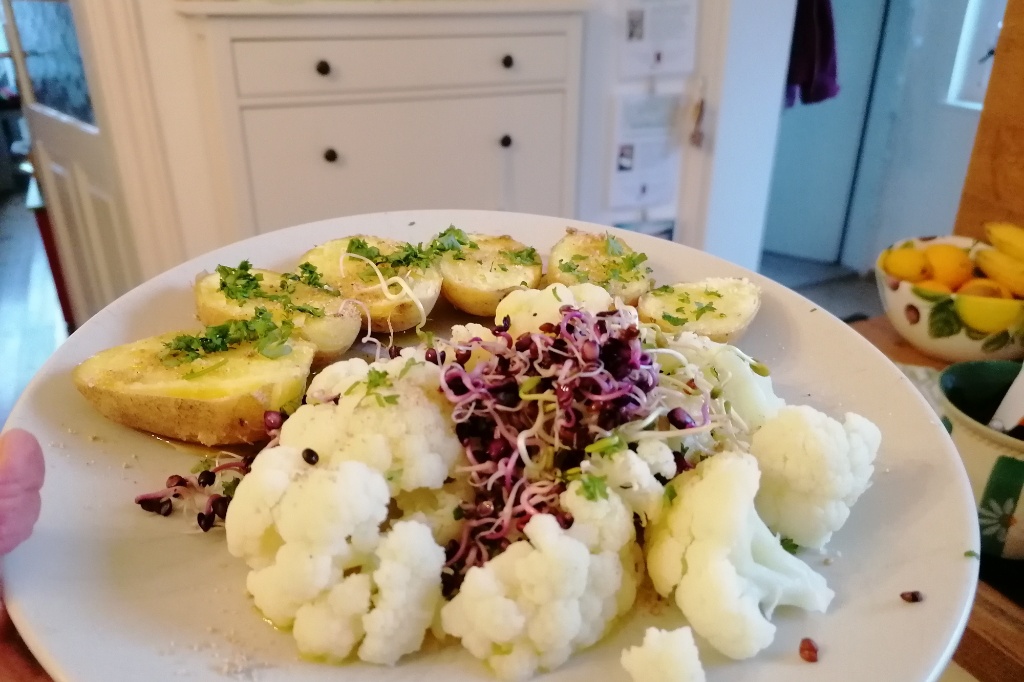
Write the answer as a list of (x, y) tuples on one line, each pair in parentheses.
[(130, 385), (476, 282), (588, 257), (425, 282), (332, 334)]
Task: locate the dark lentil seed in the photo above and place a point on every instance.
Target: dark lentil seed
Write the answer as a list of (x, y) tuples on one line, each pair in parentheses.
[(310, 457), (206, 478), (912, 596)]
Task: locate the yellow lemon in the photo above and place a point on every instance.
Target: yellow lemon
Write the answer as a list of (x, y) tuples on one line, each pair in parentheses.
[(934, 285), (949, 264), (982, 286), (906, 264), (989, 315)]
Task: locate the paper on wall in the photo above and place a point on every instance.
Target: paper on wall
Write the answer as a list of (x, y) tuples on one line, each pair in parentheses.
[(645, 157), (656, 37)]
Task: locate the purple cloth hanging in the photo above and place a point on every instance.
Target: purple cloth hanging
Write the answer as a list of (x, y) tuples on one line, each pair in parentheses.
[(812, 58)]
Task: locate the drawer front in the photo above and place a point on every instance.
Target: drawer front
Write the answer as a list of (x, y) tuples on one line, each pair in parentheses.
[(311, 163), (292, 67)]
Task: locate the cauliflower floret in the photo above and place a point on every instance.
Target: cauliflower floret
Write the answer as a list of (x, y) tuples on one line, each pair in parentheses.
[(728, 570), (631, 478), (603, 523), (328, 520), (528, 607), (665, 656), (337, 511), (391, 418), (813, 470), (408, 582), (436, 508), (658, 457), (463, 334), (332, 625), (298, 575), (750, 394), (249, 525), (528, 309)]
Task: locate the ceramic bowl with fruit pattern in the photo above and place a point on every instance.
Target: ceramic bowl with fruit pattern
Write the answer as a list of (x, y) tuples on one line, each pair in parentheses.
[(923, 299)]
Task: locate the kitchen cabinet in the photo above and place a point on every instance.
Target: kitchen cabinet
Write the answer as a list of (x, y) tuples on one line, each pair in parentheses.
[(314, 110)]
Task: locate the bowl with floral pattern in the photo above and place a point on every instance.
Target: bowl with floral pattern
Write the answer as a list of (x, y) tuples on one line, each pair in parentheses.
[(970, 394), (948, 325)]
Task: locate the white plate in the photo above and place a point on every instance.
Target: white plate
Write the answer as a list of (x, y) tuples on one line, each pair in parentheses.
[(103, 591)]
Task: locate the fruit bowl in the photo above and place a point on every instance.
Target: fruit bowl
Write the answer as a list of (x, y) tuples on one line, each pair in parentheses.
[(948, 325)]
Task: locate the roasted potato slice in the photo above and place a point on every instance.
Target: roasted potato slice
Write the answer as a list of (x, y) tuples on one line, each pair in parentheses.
[(479, 275), (600, 259), (355, 278), (333, 330), (720, 308), (218, 399)]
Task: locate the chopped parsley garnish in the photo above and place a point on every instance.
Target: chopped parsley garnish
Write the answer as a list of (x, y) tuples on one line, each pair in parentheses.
[(409, 364), (673, 320), (789, 545), (267, 335), (308, 275), (712, 292), (593, 487), (700, 308), (377, 378), (239, 283), (406, 256), (661, 291), (971, 554), (458, 513), (204, 464), (631, 261), (612, 246), (228, 487), (524, 256), (452, 239), (359, 247), (670, 494)]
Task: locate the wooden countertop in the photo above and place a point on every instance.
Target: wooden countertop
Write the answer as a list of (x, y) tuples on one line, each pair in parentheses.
[(992, 648)]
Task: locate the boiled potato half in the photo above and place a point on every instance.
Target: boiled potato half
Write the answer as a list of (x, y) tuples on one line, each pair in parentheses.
[(479, 275), (600, 259), (332, 332), (355, 278), (720, 308), (217, 399)]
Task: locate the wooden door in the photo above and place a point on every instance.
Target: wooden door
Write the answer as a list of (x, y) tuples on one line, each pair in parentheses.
[(73, 160)]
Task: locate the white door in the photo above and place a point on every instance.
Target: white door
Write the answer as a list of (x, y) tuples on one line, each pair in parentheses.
[(819, 145), (922, 125), (73, 161)]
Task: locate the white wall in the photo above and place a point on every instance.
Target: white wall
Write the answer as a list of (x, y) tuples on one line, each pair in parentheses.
[(743, 57), (917, 145)]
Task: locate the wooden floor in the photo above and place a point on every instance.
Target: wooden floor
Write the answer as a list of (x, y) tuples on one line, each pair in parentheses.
[(31, 324)]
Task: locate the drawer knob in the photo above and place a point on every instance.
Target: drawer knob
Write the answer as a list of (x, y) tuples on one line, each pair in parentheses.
[(330, 156), (323, 67), (507, 61), (506, 141)]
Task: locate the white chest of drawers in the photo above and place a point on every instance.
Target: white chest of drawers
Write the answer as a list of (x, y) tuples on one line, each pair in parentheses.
[(322, 109)]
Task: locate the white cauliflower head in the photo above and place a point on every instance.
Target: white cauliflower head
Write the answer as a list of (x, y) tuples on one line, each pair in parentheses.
[(528, 309), (529, 607), (332, 626), (250, 527), (436, 508), (327, 518), (389, 415), (729, 571), (408, 592), (631, 478), (813, 469), (664, 656)]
